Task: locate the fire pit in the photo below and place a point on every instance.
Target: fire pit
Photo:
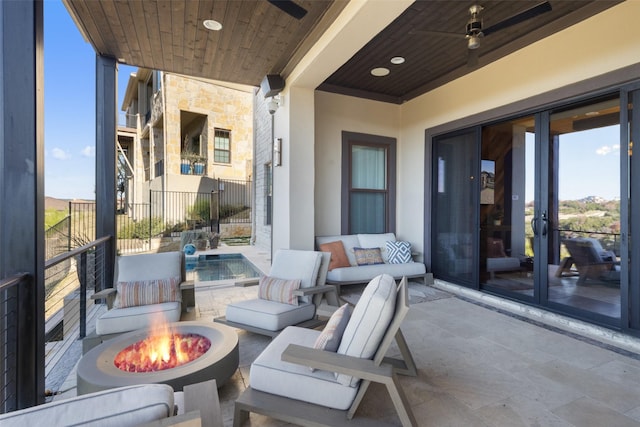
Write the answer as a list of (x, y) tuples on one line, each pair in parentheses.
[(97, 369)]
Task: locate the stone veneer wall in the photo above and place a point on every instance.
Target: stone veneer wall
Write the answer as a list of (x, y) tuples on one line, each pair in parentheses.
[(262, 157), (225, 108)]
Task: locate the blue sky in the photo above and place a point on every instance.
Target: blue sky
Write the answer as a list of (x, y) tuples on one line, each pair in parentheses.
[(69, 103)]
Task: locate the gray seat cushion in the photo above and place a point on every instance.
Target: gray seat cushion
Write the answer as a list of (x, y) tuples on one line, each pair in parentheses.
[(364, 273), (272, 375), (131, 318), (269, 315), (118, 407)]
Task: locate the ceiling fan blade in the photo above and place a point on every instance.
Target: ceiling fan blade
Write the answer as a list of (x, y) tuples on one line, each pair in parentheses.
[(518, 18), (288, 6), (438, 33), (472, 57)]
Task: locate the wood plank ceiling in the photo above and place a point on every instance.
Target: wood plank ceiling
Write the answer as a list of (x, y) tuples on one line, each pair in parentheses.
[(258, 39)]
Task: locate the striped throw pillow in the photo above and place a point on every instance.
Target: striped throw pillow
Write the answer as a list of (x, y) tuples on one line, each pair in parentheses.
[(329, 338), (278, 290), (145, 292)]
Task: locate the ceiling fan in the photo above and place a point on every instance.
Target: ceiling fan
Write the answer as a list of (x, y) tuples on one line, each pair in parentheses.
[(289, 7), (474, 30)]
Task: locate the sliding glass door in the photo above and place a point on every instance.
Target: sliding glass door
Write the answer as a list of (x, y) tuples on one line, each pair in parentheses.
[(537, 208)]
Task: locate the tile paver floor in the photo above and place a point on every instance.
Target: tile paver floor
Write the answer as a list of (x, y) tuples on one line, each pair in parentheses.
[(477, 365)]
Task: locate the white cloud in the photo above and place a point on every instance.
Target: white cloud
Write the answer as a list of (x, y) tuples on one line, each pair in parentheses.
[(608, 149), (88, 151), (60, 154)]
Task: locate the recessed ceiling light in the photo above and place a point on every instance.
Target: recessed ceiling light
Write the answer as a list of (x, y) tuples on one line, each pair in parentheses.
[(380, 72), (210, 24), (397, 60)]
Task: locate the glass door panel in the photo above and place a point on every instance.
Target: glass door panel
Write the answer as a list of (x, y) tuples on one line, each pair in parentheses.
[(584, 208), (506, 207), (454, 215)]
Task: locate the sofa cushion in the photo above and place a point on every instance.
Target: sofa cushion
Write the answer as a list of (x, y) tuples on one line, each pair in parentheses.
[(127, 319), (296, 264), (117, 407), (145, 292), (364, 273), (377, 240), (330, 337), (368, 256), (369, 322), (349, 241), (338, 254), (269, 315), (278, 290), (269, 373), (399, 252)]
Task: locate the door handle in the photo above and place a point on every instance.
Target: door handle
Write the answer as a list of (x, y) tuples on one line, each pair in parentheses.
[(534, 225), (544, 219)]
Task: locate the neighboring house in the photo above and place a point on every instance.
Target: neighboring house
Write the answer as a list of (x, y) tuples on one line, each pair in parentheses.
[(182, 133)]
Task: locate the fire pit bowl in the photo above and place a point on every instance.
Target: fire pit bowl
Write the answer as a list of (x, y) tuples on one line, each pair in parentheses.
[(97, 371)]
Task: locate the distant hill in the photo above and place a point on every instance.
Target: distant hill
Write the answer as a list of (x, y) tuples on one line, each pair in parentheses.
[(59, 204)]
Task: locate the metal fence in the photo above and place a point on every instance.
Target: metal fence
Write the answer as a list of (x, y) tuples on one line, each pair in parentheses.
[(167, 213), (235, 201)]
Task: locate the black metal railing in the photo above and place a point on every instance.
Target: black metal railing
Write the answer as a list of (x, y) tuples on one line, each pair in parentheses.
[(10, 350), (70, 280)]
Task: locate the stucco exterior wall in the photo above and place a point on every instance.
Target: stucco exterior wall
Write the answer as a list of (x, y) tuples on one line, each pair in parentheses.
[(334, 114), (575, 54)]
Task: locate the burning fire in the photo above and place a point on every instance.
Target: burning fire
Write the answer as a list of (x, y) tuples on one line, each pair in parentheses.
[(163, 349)]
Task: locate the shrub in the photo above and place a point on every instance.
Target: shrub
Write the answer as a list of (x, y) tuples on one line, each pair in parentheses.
[(199, 211), (142, 229)]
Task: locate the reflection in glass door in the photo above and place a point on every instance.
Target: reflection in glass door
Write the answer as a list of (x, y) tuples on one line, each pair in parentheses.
[(584, 208), (506, 207)]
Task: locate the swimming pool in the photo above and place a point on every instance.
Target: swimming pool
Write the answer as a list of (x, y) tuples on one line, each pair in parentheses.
[(205, 268)]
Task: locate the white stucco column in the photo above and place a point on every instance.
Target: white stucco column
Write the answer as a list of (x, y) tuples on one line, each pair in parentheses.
[(293, 180)]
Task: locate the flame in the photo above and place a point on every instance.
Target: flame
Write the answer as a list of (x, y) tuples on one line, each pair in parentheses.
[(162, 349)]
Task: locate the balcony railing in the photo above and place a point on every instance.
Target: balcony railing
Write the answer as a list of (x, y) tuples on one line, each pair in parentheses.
[(70, 279)]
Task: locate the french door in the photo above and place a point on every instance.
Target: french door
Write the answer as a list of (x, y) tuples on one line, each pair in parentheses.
[(538, 208)]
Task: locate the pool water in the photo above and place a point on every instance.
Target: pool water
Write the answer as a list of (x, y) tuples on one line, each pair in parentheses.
[(205, 268)]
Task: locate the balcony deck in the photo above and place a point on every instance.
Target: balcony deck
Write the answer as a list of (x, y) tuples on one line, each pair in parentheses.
[(482, 361)]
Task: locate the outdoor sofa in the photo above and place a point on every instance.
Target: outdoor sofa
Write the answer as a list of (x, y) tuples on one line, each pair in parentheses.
[(358, 258)]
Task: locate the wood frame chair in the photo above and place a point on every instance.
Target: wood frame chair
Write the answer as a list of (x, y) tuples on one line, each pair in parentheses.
[(379, 369), (324, 297)]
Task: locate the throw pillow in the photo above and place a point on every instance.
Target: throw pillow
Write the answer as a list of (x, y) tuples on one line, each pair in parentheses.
[(278, 290), (338, 254), (146, 292), (368, 256), (495, 248), (399, 252), (329, 338)]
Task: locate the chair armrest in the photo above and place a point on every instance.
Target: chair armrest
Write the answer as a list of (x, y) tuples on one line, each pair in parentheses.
[(302, 292), (187, 284), (329, 290), (108, 294), (103, 293), (339, 363)]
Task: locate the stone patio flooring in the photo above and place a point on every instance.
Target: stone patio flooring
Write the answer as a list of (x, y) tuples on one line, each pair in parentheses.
[(482, 361)]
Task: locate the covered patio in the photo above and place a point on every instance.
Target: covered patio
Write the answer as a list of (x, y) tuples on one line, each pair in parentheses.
[(481, 361)]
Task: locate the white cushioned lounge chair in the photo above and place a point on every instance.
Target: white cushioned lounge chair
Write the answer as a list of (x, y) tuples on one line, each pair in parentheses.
[(270, 316), (297, 383), (139, 280)]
